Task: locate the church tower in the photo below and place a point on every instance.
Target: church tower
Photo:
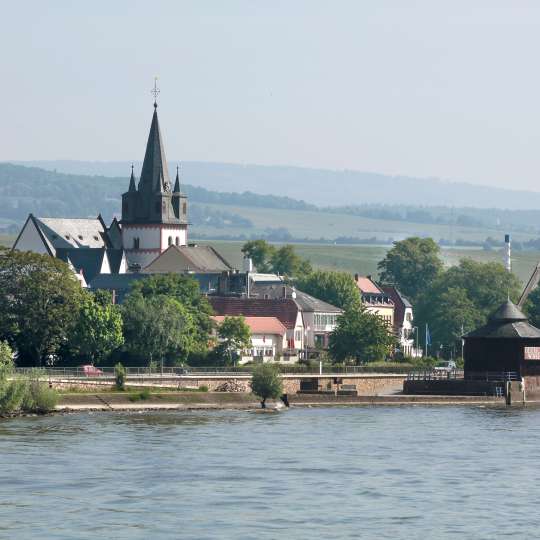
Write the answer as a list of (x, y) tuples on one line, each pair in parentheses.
[(154, 214)]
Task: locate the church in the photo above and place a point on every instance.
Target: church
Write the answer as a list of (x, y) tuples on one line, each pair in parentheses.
[(151, 236)]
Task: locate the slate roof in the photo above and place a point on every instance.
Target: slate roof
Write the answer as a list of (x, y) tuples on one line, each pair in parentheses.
[(507, 322), (87, 260), (198, 259), (72, 232), (305, 301), (260, 325), (285, 310)]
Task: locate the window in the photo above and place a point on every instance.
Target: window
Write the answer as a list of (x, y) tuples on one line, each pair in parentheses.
[(170, 240), (177, 241), (184, 208), (298, 335), (136, 243), (80, 237)]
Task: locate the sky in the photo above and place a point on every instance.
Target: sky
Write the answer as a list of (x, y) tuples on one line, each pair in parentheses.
[(426, 88)]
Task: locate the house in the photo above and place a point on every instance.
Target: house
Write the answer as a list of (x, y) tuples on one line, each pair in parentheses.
[(320, 318), (268, 340), (404, 328), (285, 310), (375, 300)]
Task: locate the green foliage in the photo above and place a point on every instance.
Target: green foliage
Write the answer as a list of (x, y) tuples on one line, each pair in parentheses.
[(196, 309), (39, 398), (360, 336), (39, 296), (235, 335), (412, 265), (532, 307), (157, 328), (266, 382), (336, 288), (260, 252), (203, 388), (98, 330), (120, 376), (286, 262), (464, 296), (143, 395)]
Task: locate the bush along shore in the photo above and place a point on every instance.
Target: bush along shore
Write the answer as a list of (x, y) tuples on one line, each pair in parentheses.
[(28, 394)]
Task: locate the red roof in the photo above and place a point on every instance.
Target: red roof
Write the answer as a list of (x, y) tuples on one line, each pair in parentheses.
[(260, 325), (367, 286), (285, 309)]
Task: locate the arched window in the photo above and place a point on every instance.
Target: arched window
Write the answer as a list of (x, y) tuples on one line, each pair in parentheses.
[(136, 243), (170, 240), (184, 208), (177, 241)]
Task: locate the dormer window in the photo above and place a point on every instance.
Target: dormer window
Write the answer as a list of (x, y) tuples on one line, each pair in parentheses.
[(96, 238), (80, 237), (67, 236)]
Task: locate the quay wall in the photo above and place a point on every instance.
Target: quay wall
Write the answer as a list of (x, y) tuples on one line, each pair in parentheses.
[(367, 384)]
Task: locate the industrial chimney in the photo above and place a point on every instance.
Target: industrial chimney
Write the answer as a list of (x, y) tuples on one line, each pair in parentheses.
[(508, 245)]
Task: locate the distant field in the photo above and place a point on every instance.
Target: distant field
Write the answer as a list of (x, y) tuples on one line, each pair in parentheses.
[(7, 240), (315, 225), (364, 259)]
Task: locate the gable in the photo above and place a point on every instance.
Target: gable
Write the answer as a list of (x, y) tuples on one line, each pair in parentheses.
[(30, 239)]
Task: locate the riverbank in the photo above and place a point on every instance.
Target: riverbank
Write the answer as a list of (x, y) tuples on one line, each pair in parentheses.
[(116, 401)]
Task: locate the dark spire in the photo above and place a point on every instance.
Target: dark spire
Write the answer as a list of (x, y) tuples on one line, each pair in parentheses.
[(177, 181), (132, 180), (154, 174)]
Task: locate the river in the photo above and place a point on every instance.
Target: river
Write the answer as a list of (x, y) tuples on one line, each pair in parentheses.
[(364, 472)]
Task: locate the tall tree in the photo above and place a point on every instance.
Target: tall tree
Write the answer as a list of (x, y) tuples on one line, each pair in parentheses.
[(235, 335), (260, 252), (286, 261), (39, 300), (98, 330), (412, 265), (360, 336), (186, 291), (336, 288), (266, 382), (158, 328)]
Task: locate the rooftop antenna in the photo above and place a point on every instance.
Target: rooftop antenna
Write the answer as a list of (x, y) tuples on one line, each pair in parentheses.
[(155, 92)]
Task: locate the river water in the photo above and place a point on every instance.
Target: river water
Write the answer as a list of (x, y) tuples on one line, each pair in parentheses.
[(365, 472)]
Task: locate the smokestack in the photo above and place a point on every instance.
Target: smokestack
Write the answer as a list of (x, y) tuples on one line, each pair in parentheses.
[(248, 264), (508, 244)]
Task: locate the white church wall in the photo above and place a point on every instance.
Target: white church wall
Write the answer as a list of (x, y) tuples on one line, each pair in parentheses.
[(149, 237), (173, 233)]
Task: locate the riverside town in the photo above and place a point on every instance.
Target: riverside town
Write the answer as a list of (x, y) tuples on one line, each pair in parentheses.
[(288, 288)]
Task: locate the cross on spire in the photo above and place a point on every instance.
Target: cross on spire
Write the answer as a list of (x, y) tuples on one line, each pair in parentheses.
[(155, 92)]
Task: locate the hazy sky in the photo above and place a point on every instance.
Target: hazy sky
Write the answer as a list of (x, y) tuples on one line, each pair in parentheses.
[(422, 88)]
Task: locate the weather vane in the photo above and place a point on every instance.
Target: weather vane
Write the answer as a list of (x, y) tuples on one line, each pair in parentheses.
[(155, 91)]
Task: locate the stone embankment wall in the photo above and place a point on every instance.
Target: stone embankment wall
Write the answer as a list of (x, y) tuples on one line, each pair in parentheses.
[(369, 384)]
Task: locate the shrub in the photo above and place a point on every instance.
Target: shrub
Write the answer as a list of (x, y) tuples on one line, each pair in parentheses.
[(39, 398), (203, 388), (120, 376), (143, 395)]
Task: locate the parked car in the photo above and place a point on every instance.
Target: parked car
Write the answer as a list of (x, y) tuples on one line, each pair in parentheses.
[(91, 371), (446, 365)]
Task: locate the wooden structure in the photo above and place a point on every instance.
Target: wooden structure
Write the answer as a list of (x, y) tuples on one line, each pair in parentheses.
[(508, 343)]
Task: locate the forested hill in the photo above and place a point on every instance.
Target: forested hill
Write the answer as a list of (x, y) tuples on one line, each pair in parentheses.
[(25, 190), (321, 187)]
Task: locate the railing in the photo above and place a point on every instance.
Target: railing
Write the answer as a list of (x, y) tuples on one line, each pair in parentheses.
[(106, 373), (438, 375)]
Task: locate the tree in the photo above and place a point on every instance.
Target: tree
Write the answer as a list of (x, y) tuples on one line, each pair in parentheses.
[(452, 315), (266, 382), (235, 335), (285, 261), (120, 376), (12, 393), (411, 265), (39, 300), (98, 330), (361, 336), (465, 294), (260, 252), (186, 291), (336, 288), (532, 307), (157, 328)]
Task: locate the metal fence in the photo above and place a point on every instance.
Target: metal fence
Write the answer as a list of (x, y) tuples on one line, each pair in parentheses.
[(101, 373), (438, 375)]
